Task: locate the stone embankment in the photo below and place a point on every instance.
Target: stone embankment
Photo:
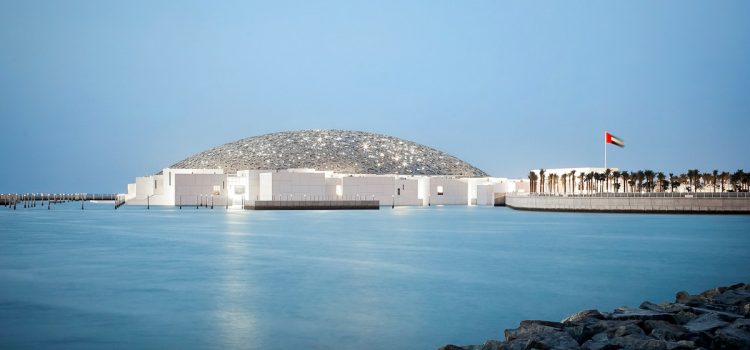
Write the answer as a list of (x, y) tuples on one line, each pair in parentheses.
[(738, 203), (718, 318)]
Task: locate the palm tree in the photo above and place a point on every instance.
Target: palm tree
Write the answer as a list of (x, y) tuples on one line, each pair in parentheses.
[(599, 182), (532, 181), (649, 176), (715, 177), (565, 182), (724, 178), (660, 176), (541, 180), (640, 176), (625, 177), (551, 183), (582, 177), (589, 177), (573, 181), (671, 179), (616, 177), (739, 180), (694, 175), (706, 179), (607, 173), (675, 183)]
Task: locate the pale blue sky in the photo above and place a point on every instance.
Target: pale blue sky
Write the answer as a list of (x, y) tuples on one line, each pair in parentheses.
[(95, 93)]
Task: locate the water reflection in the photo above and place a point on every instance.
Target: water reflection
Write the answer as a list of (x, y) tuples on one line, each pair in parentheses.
[(235, 315)]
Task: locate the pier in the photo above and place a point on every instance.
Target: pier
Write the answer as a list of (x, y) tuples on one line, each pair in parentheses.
[(33, 200)]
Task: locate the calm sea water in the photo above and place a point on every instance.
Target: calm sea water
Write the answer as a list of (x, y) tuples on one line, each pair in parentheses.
[(413, 278)]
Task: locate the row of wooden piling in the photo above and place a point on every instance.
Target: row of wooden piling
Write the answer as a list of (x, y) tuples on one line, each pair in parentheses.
[(32, 200), (201, 201)]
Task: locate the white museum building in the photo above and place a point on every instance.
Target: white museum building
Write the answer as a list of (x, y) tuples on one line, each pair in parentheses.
[(320, 165)]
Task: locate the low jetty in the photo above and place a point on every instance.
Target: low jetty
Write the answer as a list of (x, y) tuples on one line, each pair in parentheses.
[(314, 205), (718, 318), (677, 203), (32, 200)]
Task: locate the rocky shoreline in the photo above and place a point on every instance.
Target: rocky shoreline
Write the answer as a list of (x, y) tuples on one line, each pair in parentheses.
[(718, 318)]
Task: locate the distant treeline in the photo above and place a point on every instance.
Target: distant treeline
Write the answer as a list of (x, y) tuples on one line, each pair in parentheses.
[(639, 181)]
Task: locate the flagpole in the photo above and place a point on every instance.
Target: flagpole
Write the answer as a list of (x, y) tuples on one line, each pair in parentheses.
[(605, 150)]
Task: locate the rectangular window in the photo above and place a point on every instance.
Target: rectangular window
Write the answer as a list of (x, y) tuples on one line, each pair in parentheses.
[(217, 190), (440, 190), (154, 183), (170, 178)]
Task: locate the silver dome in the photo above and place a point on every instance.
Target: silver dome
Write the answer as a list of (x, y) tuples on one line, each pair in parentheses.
[(341, 151)]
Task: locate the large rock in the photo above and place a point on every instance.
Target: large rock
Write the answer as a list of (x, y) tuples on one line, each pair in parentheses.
[(683, 297), (684, 317), (681, 345), (537, 336), (714, 319), (633, 342), (582, 315), (742, 323), (706, 322), (597, 342), (608, 327), (733, 297), (663, 330), (731, 338), (527, 323), (664, 308), (626, 313), (726, 316), (492, 345)]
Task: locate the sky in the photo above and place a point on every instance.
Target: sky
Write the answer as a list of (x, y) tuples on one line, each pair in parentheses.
[(95, 93)]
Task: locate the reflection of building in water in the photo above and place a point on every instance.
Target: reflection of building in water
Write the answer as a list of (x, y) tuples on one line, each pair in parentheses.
[(321, 165)]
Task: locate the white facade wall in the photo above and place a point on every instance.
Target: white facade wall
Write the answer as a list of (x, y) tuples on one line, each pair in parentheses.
[(131, 192), (506, 186), (522, 186), (454, 191), (379, 188), (245, 187), (192, 186), (192, 189), (283, 185), (485, 194), (265, 186), (334, 187), (407, 192), (144, 186), (149, 190)]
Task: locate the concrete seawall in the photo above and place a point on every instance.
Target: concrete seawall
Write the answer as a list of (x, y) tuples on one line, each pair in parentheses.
[(706, 205)]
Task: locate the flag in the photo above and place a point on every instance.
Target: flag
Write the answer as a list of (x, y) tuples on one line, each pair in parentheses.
[(609, 138)]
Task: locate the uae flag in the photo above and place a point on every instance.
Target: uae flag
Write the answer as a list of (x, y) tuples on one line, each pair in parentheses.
[(613, 140)]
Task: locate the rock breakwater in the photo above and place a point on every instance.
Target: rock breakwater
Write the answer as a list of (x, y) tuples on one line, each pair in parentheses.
[(718, 318)]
